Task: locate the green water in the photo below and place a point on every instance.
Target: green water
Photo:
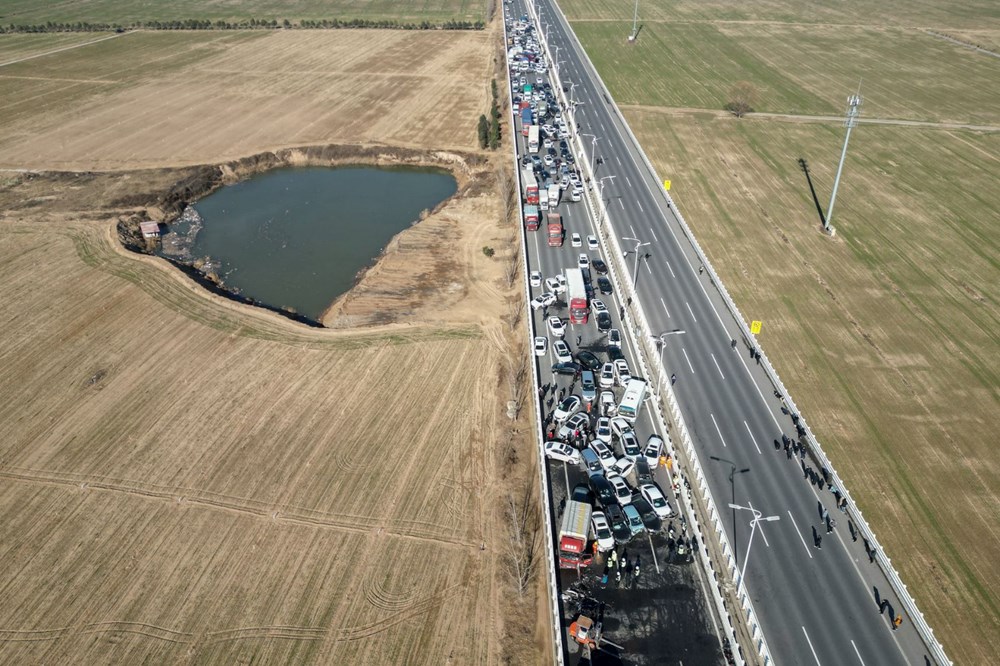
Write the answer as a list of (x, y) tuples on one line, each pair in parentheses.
[(296, 238)]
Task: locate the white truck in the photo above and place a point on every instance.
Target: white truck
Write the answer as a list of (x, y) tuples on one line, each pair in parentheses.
[(533, 139), (553, 195)]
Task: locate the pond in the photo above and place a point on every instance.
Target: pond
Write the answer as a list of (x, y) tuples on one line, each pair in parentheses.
[(296, 238)]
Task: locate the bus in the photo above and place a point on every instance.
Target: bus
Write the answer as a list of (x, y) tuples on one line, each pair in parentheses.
[(635, 393)]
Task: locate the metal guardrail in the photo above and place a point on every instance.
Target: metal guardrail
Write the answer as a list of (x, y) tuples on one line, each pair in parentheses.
[(885, 564), (543, 469)]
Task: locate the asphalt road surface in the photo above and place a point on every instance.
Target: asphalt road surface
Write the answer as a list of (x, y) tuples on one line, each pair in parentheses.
[(816, 593)]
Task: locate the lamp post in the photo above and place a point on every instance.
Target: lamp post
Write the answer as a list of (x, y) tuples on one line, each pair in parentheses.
[(757, 517), (635, 267), (600, 194), (661, 340), (732, 485)]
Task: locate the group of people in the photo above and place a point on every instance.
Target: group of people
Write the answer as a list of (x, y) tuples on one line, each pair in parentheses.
[(621, 567)]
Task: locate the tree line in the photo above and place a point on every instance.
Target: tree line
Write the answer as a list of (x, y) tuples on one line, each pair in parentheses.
[(249, 24), (489, 129)]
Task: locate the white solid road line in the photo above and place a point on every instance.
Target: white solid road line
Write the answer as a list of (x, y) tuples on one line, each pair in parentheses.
[(640, 207), (662, 302), (618, 159), (808, 552), (621, 204), (691, 311), (632, 230), (688, 360), (752, 438), (723, 439), (857, 652), (671, 270), (718, 368), (628, 181), (810, 645), (653, 233)]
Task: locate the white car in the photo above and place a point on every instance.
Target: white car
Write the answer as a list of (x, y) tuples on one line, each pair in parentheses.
[(603, 430), (655, 497), (584, 261), (654, 449), (576, 241), (597, 305), (541, 345), (556, 327), (607, 377), (561, 351), (615, 338), (620, 425), (621, 369), (562, 452), (622, 492), (548, 160), (623, 467), (566, 408), (631, 448), (574, 423), (536, 279), (608, 404), (556, 283), (547, 143), (539, 80), (591, 240), (602, 532), (543, 300), (603, 452)]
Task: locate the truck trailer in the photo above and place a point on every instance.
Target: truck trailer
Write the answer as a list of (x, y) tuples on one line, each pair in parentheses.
[(530, 186), (573, 533), (576, 290), (555, 227), (530, 217)]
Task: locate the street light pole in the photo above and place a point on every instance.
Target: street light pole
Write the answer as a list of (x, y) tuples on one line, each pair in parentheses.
[(732, 488), (663, 343), (635, 22), (753, 529), (635, 267)]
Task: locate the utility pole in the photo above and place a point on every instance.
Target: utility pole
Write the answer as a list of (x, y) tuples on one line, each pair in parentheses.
[(635, 23), (635, 267), (853, 111)]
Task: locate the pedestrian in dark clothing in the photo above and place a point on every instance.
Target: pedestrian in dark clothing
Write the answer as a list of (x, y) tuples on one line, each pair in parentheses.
[(562, 505), (637, 566), (734, 343), (549, 402), (579, 339), (854, 533), (788, 453), (701, 269), (673, 379), (805, 473), (621, 313)]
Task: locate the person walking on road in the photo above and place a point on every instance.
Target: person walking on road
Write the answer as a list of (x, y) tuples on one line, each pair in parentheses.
[(701, 269), (636, 567), (673, 379)]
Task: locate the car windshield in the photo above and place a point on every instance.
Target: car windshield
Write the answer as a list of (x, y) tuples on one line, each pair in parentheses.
[(659, 501)]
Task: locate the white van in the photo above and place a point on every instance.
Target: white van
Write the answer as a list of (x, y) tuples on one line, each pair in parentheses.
[(635, 393)]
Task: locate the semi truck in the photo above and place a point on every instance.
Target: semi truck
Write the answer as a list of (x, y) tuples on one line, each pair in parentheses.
[(525, 121), (553, 195), (573, 533), (555, 227), (579, 309), (533, 139), (530, 186), (531, 217)]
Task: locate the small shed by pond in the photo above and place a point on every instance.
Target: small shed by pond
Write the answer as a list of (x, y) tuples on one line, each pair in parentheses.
[(150, 229)]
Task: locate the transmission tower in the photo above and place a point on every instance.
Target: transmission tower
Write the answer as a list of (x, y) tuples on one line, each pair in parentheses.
[(853, 111)]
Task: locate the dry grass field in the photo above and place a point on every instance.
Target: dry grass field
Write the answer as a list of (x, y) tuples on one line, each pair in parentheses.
[(177, 98), (190, 480), (887, 335)]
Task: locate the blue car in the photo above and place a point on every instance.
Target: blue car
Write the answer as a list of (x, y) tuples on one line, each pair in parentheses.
[(633, 519)]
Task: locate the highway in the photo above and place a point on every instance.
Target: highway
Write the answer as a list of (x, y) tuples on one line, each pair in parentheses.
[(816, 593)]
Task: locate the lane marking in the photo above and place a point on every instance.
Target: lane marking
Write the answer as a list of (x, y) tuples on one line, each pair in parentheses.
[(691, 311), (857, 653), (717, 367), (630, 228), (688, 360), (640, 207), (669, 268), (801, 538), (665, 307), (751, 434), (646, 262), (763, 535), (810, 645), (621, 204), (628, 181), (618, 159), (718, 430), (651, 229)]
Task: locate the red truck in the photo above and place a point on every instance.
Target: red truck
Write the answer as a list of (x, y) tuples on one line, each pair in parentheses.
[(530, 186), (573, 532), (576, 292), (555, 230), (531, 217)]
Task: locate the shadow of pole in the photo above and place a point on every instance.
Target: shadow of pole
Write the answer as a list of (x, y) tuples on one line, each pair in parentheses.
[(819, 208)]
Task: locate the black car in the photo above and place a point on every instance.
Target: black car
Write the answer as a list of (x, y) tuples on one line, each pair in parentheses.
[(581, 493), (603, 321), (589, 360), (599, 266), (645, 509), (615, 353), (567, 369), (604, 284), (603, 491), (642, 472), (619, 526)]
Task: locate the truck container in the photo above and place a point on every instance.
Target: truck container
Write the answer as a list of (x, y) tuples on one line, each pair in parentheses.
[(531, 217), (553, 196), (579, 308), (533, 139), (573, 534), (525, 121), (555, 227), (530, 186)]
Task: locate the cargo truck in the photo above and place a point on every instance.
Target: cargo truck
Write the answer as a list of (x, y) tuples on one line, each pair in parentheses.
[(533, 139), (525, 121), (573, 533), (576, 291), (555, 226), (530, 186), (531, 217), (553, 195)]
